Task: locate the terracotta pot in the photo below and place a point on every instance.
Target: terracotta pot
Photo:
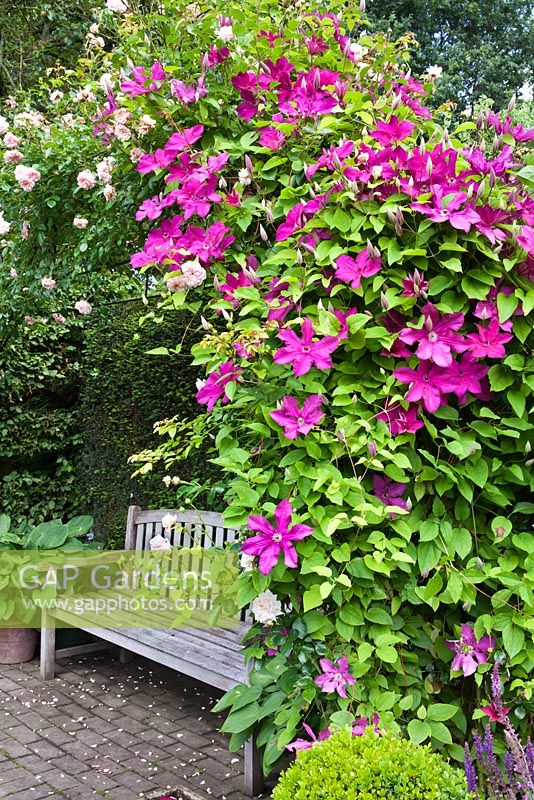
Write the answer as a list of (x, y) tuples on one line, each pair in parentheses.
[(17, 645)]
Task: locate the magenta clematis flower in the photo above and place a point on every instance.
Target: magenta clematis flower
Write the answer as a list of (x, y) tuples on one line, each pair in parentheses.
[(306, 744), (215, 385), (271, 138), (489, 341), (414, 285), (446, 207), (393, 131), (364, 266), (400, 420), (295, 420), (389, 492), (469, 652), (464, 376), (437, 338), (273, 540), (359, 726), (336, 677), (304, 353), (526, 239), (426, 384)]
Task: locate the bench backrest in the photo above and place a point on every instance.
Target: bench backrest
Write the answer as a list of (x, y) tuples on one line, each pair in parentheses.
[(204, 528)]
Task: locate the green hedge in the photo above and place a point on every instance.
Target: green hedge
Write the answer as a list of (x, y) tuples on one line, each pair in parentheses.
[(39, 430), (75, 405), (124, 392)]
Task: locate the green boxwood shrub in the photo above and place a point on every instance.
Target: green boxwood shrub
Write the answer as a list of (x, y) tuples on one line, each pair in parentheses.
[(370, 767)]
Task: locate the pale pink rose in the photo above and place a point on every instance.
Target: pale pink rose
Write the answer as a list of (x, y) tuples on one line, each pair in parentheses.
[(266, 608), (95, 41), (13, 273), (122, 133), (4, 125), (29, 320), (58, 318), (25, 230), (86, 94), (55, 96), (80, 222), (167, 480), (122, 116), (86, 179), (117, 6), (104, 169), (94, 29), (145, 124), (10, 140), (10, 101), (110, 193), (5, 226), (26, 177), (160, 542), (191, 276), (136, 155), (69, 121), (33, 118), (13, 157), (225, 33), (48, 283), (83, 307)]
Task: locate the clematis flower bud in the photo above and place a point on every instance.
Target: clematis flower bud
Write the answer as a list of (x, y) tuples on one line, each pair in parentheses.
[(391, 215), (216, 283), (269, 215), (429, 166), (384, 301), (248, 165), (511, 104), (226, 315), (470, 191), (300, 257), (528, 448), (205, 324), (479, 122), (263, 233), (481, 188), (422, 148), (362, 6), (372, 449), (409, 504), (397, 101)]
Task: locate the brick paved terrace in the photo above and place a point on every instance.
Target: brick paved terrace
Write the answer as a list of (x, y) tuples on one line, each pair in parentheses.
[(103, 729)]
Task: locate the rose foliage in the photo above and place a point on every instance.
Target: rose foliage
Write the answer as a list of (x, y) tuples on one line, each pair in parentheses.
[(367, 293)]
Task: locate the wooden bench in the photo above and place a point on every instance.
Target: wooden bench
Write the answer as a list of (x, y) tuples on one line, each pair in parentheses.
[(212, 656)]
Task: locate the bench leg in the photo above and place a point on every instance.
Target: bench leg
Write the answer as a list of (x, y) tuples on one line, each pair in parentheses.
[(125, 656), (253, 770), (48, 649)]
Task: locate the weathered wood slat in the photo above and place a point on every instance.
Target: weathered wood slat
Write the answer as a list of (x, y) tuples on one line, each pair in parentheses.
[(210, 655), (191, 517)]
